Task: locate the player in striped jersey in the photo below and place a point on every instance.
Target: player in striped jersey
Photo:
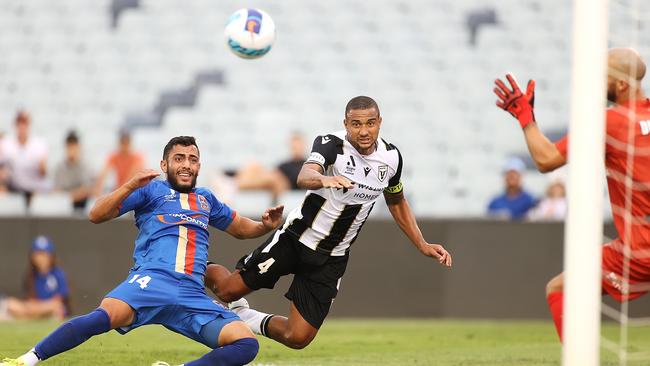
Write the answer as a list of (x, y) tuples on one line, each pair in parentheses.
[(165, 285), (346, 173), (627, 162)]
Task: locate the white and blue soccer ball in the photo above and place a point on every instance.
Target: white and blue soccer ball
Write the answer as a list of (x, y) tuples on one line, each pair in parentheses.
[(250, 33)]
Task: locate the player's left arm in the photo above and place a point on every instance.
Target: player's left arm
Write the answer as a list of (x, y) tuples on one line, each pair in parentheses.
[(243, 227), (401, 211), (405, 219)]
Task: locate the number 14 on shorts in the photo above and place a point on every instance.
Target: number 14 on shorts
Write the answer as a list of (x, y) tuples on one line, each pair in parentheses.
[(142, 281)]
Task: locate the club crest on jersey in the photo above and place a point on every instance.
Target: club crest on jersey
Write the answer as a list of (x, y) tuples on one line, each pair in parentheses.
[(204, 203), (171, 196), (382, 171)]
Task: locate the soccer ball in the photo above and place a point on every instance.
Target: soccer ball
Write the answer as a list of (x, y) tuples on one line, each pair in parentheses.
[(250, 33)]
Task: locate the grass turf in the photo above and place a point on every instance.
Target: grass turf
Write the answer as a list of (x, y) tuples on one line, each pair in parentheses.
[(340, 342)]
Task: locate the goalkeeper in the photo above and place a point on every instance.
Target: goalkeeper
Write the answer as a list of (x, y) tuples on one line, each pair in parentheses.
[(627, 161)]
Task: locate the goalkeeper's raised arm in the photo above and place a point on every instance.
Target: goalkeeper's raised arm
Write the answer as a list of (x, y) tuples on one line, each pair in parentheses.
[(547, 155)]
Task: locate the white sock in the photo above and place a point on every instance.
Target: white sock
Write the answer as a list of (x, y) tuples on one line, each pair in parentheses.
[(256, 320), (29, 358)]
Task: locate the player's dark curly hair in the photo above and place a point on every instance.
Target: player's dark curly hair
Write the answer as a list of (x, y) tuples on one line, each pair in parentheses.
[(179, 140), (361, 102)]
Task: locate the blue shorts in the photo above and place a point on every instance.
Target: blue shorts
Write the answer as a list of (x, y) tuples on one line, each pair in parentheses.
[(174, 300)]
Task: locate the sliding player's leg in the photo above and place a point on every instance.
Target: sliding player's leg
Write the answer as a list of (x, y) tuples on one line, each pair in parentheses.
[(200, 318), (232, 344), (227, 286), (293, 331), (262, 268), (314, 287), (112, 313)]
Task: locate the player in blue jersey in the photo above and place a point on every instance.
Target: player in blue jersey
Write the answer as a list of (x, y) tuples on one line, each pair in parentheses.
[(165, 286)]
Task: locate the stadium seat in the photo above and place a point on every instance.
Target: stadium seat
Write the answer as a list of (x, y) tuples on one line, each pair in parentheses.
[(12, 204), (251, 203), (433, 87), (51, 204), (291, 200)]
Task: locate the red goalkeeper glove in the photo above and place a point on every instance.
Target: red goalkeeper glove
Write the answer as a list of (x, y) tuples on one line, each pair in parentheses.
[(514, 101)]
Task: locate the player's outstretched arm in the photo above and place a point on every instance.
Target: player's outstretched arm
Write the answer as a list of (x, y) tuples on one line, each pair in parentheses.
[(311, 177), (405, 219), (545, 154), (242, 227), (108, 206), (521, 106)]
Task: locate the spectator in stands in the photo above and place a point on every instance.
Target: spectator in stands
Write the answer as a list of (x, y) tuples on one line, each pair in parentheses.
[(553, 206), (4, 177), (4, 168), (46, 287), (26, 158), (254, 176), (123, 163), (514, 203), (72, 175)]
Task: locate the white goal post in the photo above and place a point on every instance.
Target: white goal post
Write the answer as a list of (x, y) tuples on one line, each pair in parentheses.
[(583, 232)]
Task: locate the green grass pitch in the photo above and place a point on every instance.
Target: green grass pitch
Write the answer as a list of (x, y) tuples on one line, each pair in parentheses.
[(340, 342)]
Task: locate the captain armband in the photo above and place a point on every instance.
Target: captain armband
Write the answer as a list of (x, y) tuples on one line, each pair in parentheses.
[(395, 189)]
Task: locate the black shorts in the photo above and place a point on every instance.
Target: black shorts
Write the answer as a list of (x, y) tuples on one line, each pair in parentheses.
[(316, 276)]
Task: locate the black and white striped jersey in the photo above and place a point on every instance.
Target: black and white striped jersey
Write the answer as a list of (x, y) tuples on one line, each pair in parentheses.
[(330, 219)]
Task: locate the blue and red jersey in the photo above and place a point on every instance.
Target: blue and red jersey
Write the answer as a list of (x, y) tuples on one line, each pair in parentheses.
[(174, 227)]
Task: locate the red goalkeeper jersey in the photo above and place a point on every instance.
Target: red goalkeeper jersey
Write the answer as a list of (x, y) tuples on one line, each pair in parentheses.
[(627, 161)]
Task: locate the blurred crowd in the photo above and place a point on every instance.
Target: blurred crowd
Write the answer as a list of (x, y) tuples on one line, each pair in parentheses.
[(24, 168), (516, 203), (24, 165)]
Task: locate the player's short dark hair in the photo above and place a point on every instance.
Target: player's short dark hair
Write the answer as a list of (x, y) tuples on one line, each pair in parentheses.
[(361, 102), (179, 140)]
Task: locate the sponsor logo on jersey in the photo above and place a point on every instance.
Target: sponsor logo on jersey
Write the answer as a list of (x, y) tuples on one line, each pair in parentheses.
[(616, 282), (366, 170), (179, 218), (382, 172), (365, 186), (365, 196), (204, 203), (350, 166), (317, 158)]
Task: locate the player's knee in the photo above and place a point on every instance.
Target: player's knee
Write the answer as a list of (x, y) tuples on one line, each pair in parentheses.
[(554, 285), (227, 295), (299, 341)]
